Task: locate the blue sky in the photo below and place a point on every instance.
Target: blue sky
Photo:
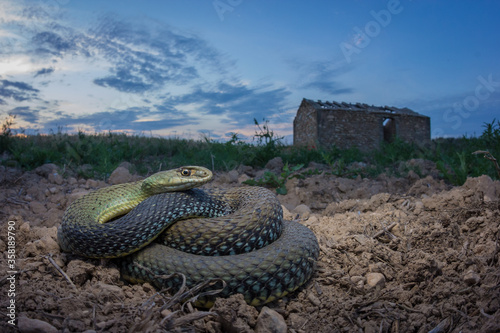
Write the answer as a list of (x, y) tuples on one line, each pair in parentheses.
[(178, 68)]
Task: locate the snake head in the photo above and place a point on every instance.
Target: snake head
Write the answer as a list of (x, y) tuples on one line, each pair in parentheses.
[(179, 179)]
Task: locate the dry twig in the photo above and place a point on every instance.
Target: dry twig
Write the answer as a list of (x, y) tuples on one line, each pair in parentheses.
[(385, 230), (49, 257), (490, 157)]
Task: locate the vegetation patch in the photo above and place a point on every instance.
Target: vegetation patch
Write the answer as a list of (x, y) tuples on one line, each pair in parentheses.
[(97, 155)]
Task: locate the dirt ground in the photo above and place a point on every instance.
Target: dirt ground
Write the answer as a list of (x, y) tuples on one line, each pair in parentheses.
[(408, 254)]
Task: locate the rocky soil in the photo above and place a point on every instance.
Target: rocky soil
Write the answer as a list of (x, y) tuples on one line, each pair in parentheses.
[(408, 254)]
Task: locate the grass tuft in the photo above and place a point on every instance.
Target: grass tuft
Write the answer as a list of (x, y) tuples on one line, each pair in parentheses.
[(97, 155)]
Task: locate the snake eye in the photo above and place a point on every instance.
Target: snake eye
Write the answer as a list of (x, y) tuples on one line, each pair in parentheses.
[(186, 172)]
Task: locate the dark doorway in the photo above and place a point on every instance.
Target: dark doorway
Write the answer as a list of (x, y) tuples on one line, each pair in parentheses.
[(389, 129)]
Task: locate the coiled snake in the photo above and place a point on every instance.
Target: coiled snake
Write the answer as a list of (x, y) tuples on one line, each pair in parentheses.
[(250, 247)]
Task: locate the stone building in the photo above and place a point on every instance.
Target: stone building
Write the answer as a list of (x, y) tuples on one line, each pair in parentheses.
[(346, 125)]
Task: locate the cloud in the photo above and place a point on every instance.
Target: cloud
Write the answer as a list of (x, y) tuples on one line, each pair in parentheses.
[(49, 42), (140, 54), (18, 91), (133, 119), (238, 103), (44, 71), (147, 56), (321, 75), (134, 56), (327, 86), (25, 113)]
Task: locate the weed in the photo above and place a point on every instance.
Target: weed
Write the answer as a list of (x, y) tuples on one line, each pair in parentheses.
[(270, 179), (5, 136), (96, 155), (487, 155)]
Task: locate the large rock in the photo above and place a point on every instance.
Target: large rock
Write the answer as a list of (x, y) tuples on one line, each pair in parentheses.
[(119, 176), (270, 321)]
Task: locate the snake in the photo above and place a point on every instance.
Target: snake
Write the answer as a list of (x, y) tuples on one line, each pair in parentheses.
[(166, 231)]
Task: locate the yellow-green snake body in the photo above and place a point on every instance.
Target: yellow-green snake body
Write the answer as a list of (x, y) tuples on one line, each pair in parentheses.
[(241, 238)]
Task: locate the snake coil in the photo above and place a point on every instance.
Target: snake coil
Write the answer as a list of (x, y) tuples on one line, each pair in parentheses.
[(239, 236)]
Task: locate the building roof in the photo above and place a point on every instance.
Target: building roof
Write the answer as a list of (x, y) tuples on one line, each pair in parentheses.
[(361, 107)]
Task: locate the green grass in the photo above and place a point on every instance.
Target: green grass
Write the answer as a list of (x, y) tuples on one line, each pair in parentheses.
[(102, 153)]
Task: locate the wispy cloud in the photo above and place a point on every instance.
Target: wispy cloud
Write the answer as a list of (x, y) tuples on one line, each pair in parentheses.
[(132, 119), (320, 76), (44, 71), (145, 57), (16, 90), (238, 103), (168, 70), (25, 113)]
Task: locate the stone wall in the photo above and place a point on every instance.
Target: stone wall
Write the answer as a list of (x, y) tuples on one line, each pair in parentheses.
[(345, 128), (305, 126), (415, 129)]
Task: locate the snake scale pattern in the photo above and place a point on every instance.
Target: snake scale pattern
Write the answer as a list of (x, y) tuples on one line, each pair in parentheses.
[(238, 237)]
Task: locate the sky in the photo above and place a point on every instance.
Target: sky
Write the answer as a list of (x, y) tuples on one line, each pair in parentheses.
[(204, 68)]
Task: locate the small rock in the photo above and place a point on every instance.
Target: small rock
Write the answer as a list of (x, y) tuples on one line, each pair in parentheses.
[(375, 268), (79, 271), (127, 165), (247, 170), (233, 176), (362, 239), (72, 180), (275, 164), (25, 227), (243, 178), (49, 245), (147, 287), (313, 299), (27, 325), (419, 207), (119, 176), (378, 200), (56, 178), (78, 193), (286, 213), (357, 278), (312, 220), (53, 217), (37, 207), (91, 183), (375, 279), (471, 278), (412, 176), (270, 321), (106, 290), (296, 320), (46, 169), (303, 211)]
